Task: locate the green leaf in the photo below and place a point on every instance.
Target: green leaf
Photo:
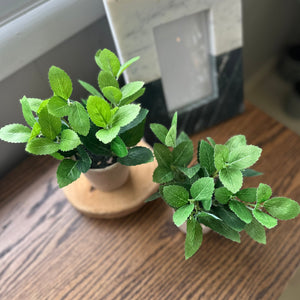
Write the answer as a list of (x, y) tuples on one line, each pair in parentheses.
[(153, 197), (60, 82), (182, 213), (57, 156), (250, 173), (126, 65), (34, 103), (99, 111), (42, 146), (136, 156), (130, 89), (170, 140), (132, 98), (79, 119), (162, 175), (107, 61), (163, 155), (113, 94), (203, 188), (211, 141), (27, 113), (232, 179), (190, 172), (107, 135), (183, 154), (236, 141), (244, 156), (247, 195), (50, 125), (256, 231), (222, 195), (84, 162), (219, 226), (160, 131), (175, 195), (119, 147), (43, 105), (15, 133), (107, 79), (263, 193), (69, 140), (241, 211), (282, 208), (125, 114), (193, 238), (183, 137), (67, 172), (36, 130), (58, 107), (264, 219), (206, 157), (221, 156), (92, 90), (229, 218)]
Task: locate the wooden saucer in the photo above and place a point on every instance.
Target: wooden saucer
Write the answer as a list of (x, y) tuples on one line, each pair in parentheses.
[(118, 203)]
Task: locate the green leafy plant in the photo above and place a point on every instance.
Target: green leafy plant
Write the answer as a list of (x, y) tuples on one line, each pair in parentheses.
[(210, 191), (94, 133)]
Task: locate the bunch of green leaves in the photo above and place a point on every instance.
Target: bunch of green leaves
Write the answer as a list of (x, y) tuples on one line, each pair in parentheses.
[(103, 129), (210, 191)]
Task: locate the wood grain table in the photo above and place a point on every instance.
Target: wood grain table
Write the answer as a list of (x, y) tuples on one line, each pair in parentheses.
[(50, 251)]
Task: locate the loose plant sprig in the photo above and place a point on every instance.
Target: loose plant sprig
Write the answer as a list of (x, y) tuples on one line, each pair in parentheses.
[(93, 134), (210, 191)]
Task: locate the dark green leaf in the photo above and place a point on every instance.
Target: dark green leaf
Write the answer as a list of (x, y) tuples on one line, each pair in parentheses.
[(206, 157), (250, 173), (247, 195), (229, 218), (183, 137), (84, 162), (119, 147), (67, 172), (136, 156), (183, 154), (193, 238), (241, 211), (163, 155), (162, 175), (256, 231), (222, 195), (175, 195), (190, 172), (160, 131), (153, 197)]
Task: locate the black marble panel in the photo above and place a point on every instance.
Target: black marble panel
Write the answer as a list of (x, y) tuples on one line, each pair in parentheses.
[(196, 117)]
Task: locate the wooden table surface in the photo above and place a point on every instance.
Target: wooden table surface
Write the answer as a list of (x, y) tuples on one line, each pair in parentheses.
[(50, 251)]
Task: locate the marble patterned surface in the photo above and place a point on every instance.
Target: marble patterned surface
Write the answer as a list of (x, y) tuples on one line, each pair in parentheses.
[(133, 22)]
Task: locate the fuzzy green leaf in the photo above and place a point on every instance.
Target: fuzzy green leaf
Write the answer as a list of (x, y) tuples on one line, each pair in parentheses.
[(42, 146), (162, 175), (36, 130), (34, 103), (206, 157), (69, 140), (256, 231), (58, 107), (163, 155), (250, 173), (133, 97), (183, 154), (113, 94), (50, 125), (222, 195), (170, 140), (175, 195), (84, 162), (193, 239), (107, 135), (160, 131), (190, 172), (241, 211), (107, 79), (264, 219), (263, 193), (27, 112), (282, 208), (92, 90), (182, 213), (183, 137), (126, 65), (136, 156), (236, 141), (60, 82), (67, 172), (211, 141), (107, 61), (99, 111), (15, 133), (119, 147), (220, 156), (203, 188), (232, 179), (247, 195), (79, 119), (125, 114), (130, 89)]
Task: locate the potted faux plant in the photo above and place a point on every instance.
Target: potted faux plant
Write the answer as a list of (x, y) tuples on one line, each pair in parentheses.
[(210, 192), (95, 136)]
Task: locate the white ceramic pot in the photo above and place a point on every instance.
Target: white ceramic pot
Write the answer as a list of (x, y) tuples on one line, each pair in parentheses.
[(109, 178)]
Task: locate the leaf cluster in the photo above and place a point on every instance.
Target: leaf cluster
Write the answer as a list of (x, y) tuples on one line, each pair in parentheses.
[(103, 129), (210, 192)]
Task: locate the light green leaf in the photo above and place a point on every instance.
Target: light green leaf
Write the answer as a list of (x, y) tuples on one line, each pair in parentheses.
[(69, 140), (36, 130), (27, 113), (236, 141), (58, 107), (203, 188), (232, 179), (183, 137), (174, 120), (133, 97), (162, 175), (125, 114), (241, 211), (256, 231), (113, 94), (34, 103), (175, 195), (163, 155), (160, 131), (130, 89), (107, 135), (60, 82), (15, 133), (211, 141), (247, 195), (107, 79), (250, 173), (282, 208), (222, 195), (126, 65), (264, 219), (42, 146), (57, 156), (79, 119), (107, 61), (190, 172), (170, 140), (206, 157), (99, 111), (221, 156), (244, 157), (50, 125), (263, 193), (193, 239), (119, 147), (183, 154), (67, 172), (42, 106), (92, 90), (136, 156)]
